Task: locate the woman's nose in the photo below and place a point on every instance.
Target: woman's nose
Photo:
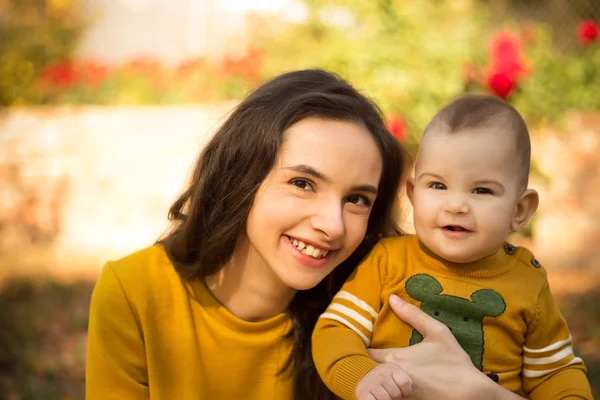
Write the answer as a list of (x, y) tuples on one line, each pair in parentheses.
[(329, 219)]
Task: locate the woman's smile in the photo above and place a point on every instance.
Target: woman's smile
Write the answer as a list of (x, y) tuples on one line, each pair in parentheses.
[(309, 248), (302, 253)]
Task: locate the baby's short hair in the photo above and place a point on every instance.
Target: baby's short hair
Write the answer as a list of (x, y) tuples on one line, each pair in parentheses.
[(469, 112)]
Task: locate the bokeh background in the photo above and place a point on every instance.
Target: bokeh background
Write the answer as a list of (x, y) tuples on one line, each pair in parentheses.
[(105, 104)]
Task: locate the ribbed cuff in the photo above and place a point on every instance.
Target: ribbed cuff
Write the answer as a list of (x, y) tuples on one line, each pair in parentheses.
[(349, 372)]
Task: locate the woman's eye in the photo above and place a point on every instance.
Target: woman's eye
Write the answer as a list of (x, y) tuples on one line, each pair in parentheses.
[(302, 184), (437, 186), (359, 200), (482, 191)]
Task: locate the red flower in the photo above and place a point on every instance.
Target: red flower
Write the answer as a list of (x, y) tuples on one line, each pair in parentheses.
[(190, 66), (147, 68), (63, 74), (506, 56), (143, 64), (587, 32), (94, 72), (397, 127), (507, 65), (247, 65), (501, 84)]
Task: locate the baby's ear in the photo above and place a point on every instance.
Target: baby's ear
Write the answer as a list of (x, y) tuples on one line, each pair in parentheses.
[(410, 188), (526, 206)]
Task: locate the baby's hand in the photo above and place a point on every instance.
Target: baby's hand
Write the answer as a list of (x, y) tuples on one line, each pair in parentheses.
[(385, 382)]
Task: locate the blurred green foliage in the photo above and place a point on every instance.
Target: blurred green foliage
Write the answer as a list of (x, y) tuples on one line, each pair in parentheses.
[(411, 57), (33, 33), (43, 326), (406, 55)]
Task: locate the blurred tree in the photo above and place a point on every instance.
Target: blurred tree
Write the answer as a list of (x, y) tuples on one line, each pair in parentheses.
[(562, 16), (409, 54), (33, 32), (414, 57)]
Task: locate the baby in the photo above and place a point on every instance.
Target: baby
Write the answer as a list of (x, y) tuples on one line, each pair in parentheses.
[(469, 190)]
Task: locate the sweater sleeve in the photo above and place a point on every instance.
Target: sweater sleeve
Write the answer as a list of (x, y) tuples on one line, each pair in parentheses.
[(343, 332), (551, 370), (116, 361)]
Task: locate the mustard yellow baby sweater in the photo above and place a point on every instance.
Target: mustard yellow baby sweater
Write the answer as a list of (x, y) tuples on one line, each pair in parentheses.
[(151, 335), (500, 309)]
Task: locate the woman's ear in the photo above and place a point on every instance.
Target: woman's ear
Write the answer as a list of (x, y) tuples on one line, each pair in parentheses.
[(410, 188), (526, 206)]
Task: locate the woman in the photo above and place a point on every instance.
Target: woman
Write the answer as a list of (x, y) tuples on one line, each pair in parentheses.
[(289, 195)]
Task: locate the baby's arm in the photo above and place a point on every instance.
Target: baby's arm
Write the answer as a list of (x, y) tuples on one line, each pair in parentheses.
[(384, 382), (343, 332), (551, 370)]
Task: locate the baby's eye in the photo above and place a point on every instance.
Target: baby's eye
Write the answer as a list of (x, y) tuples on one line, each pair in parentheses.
[(359, 200), (481, 190), (303, 184), (437, 186)]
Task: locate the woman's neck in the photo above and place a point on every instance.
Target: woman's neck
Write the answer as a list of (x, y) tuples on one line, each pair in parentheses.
[(248, 288)]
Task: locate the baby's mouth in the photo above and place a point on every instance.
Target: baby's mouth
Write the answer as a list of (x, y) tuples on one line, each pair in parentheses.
[(456, 228)]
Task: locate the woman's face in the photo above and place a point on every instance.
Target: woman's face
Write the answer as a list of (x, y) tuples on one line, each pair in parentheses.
[(311, 211)]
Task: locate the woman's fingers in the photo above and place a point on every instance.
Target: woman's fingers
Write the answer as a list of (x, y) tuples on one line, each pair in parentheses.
[(415, 317)]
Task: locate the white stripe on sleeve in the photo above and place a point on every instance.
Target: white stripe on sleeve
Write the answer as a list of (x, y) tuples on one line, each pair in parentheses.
[(348, 312), (567, 351), (342, 320), (357, 302), (529, 373), (553, 346)]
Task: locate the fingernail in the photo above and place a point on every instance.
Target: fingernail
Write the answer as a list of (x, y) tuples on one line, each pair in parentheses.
[(396, 300)]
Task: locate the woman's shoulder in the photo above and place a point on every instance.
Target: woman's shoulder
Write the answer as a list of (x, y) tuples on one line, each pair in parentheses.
[(146, 268), (140, 288)]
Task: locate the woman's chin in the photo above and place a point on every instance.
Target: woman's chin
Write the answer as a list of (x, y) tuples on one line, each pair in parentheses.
[(303, 282)]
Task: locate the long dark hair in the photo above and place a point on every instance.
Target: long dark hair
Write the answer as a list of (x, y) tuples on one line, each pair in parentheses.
[(209, 216)]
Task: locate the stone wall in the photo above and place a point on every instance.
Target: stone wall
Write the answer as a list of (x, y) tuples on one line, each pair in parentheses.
[(82, 185), (567, 225)]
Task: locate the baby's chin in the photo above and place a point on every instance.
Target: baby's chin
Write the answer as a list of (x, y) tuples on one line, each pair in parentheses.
[(462, 258)]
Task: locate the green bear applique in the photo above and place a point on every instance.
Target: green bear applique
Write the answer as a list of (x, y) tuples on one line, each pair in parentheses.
[(464, 317)]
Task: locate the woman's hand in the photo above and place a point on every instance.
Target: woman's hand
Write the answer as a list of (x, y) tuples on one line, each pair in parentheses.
[(438, 366)]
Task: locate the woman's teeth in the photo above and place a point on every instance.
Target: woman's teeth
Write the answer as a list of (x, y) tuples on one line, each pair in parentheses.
[(308, 249)]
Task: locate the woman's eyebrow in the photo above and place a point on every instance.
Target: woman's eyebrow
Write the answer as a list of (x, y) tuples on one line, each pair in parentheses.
[(307, 169), (366, 188)]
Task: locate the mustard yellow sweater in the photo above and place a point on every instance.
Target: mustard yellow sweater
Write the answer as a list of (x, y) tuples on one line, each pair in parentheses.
[(153, 336), (500, 309)]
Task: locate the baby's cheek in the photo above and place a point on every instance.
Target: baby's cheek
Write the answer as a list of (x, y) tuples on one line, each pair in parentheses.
[(424, 208)]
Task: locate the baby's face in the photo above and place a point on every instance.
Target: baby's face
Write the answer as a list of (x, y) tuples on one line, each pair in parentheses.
[(466, 190)]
